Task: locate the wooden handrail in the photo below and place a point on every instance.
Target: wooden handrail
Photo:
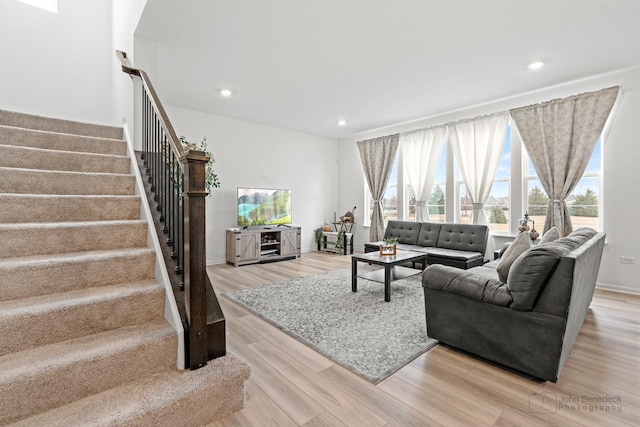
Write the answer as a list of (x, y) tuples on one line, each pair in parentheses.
[(202, 312), (157, 105)]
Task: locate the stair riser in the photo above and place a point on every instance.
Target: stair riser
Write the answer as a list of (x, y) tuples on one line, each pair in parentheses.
[(27, 181), (11, 118), (59, 141), (28, 208), (32, 158), (50, 388), (41, 324), (32, 239), (26, 279)]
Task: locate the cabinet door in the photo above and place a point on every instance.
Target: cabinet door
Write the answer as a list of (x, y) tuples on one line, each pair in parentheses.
[(249, 249), (291, 243)]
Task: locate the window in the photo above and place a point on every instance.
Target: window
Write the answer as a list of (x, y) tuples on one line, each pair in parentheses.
[(583, 202), (498, 205), (436, 202)]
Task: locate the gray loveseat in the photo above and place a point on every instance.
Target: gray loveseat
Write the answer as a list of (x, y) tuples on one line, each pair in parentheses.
[(528, 323), (457, 245)]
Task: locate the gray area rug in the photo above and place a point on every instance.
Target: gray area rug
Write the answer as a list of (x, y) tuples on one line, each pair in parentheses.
[(358, 330)]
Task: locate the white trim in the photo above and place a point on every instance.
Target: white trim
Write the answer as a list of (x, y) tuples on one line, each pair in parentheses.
[(171, 313), (617, 288)]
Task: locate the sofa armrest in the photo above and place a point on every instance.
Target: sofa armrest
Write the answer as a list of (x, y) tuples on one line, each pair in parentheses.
[(497, 254), (466, 284)]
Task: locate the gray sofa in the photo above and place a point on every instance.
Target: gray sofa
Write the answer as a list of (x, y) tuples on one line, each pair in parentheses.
[(457, 245), (528, 323)]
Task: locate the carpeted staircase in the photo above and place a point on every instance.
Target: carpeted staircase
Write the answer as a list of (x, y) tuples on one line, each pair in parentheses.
[(83, 339)]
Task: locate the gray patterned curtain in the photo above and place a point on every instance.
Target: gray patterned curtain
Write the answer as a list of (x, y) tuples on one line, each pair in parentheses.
[(560, 136), (377, 160)]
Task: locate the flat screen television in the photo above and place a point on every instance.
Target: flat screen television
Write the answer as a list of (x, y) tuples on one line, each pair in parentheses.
[(262, 206)]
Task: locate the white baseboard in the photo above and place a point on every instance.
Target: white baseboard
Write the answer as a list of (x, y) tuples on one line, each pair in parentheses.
[(618, 288)]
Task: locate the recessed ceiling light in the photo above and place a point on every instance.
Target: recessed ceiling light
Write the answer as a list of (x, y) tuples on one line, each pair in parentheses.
[(536, 65), (226, 92), (342, 122)]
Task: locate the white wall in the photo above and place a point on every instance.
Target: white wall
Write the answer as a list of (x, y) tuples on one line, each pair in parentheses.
[(620, 178), (57, 64), (125, 15), (254, 155)]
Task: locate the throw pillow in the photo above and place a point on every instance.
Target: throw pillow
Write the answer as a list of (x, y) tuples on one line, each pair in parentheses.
[(517, 248), (552, 234)]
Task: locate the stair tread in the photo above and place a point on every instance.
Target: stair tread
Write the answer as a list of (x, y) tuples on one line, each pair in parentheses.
[(45, 358), (70, 224), (47, 274), (71, 257), (40, 238), (39, 320), (50, 151), (65, 300), (34, 121), (146, 397), (29, 207), (73, 173), (54, 132), (104, 197)]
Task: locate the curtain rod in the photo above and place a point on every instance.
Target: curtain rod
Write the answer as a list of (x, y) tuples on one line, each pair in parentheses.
[(453, 123), (579, 95)]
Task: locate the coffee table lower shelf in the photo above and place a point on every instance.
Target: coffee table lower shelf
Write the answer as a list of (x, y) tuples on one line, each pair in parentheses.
[(398, 272)]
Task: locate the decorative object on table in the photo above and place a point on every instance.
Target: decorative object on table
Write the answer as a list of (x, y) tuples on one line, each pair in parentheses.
[(348, 217), (359, 331), (346, 221), (524, 226), (388, 247)]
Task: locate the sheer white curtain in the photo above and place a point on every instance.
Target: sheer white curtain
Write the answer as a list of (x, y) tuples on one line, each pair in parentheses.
[(477, 144), (560, 136), (420, 151), (377, 157)]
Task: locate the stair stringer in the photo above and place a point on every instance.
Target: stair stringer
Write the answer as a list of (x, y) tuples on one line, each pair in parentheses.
[(171, 313)]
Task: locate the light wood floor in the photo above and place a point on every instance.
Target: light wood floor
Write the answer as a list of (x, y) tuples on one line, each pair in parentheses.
[(292, 385)]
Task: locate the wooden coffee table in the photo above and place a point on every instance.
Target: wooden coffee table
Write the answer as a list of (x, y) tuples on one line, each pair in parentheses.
[(392, 269)]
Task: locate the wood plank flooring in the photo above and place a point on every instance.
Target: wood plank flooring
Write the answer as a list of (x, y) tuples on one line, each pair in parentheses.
[(292, 385)]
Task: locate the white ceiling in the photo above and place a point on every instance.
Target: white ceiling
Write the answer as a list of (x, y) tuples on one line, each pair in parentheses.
[(303, 65)]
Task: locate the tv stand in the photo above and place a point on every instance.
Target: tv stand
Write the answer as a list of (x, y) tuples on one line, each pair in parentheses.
[(260, 244)]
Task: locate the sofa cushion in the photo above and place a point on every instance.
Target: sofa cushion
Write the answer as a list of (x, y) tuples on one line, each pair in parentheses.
[(405, 232), (453, 254), (413, 248), (467, 284), (463, 237), (521, 243), (552, 234), (529, 273), (429, 232)]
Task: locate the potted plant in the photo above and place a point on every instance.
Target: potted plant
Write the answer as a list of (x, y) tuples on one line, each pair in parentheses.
[(318, 234), (388, 247), (211, 180)]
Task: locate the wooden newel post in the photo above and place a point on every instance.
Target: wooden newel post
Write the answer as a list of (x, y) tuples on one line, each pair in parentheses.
[(195, 255)]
